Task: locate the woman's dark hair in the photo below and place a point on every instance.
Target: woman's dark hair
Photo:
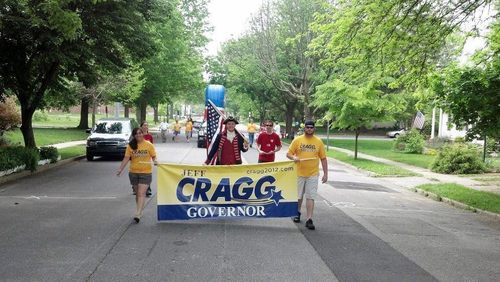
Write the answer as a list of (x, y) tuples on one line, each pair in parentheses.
[(142, 123), (133, 141)]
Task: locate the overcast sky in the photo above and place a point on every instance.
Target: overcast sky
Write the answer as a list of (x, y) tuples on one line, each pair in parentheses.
[(229, 19)]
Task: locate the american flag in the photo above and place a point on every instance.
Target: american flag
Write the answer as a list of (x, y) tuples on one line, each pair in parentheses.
[(419, 120), (215, 122)]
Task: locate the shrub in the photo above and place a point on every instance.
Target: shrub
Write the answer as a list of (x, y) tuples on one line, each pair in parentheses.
[(12, 157), (4, 141), (459, 139), (49, 153), (430, 152), (411, 142), (40, 116), (9, 114), (492, 146), (31, 158), (458, 159)]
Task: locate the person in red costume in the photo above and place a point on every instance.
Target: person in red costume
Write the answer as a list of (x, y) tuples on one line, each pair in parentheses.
[(228, 145)]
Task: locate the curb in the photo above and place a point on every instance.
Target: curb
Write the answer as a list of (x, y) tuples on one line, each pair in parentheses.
[(454, 203), (40, 169)]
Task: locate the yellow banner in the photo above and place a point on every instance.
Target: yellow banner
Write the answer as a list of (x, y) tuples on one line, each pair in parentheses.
[(257, 190)]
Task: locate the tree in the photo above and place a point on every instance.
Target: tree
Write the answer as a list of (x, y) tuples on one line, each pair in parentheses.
[(362, 39), (355, 107), (282, 35), (471, 93), (46, 42), (175, 71)]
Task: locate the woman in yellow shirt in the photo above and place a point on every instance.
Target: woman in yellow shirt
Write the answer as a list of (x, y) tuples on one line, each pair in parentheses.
[(140, 153)]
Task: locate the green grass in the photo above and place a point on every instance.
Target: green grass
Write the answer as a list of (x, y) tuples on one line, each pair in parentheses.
[(65, 120), (477, 199), (48, 136), (489, 179), (383, 149), (68, 120), (71, 152), (378, 168)]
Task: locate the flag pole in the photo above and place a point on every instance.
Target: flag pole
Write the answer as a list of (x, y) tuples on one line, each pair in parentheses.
[(224, 117)]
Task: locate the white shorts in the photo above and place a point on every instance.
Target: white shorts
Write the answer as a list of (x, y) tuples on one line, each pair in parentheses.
[(307, 187)]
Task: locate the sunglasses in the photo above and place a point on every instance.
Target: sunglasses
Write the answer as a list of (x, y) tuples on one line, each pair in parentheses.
[(309, 127), (269, 125)]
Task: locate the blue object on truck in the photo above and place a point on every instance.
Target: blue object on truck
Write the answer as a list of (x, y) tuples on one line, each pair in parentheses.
[(216, 94)]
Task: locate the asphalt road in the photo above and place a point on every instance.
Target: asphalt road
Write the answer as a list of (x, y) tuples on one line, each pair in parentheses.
[(75, 224)]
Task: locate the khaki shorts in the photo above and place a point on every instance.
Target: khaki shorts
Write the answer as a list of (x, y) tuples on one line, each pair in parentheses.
[(307, 187), (140, 178)]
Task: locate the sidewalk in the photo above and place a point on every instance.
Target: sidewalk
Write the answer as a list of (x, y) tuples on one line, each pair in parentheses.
[(430, 176)]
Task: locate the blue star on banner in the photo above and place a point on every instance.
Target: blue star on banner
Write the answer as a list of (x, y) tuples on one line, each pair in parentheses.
[(276, 197)]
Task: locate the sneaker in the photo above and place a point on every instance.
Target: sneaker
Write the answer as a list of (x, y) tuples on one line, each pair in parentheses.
[(297, 218), (310, 224), (137, 218)]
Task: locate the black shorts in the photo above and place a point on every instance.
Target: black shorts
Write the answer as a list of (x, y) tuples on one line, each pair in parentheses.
[(140, 178)]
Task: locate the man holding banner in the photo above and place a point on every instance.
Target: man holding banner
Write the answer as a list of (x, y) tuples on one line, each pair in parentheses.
[(307, 150), (227, 146)]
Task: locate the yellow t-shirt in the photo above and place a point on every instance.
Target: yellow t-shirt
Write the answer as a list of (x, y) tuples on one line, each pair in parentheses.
[(140, 159), (177, 127), (189, 126), (304, 148), (252, 128)]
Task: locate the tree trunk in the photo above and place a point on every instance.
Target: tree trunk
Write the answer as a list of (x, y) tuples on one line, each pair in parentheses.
[(167, 112), (94, 106), (289, 118), (356, 145), (307, 110), (84, 114), (155, 110), (27, 126), (126, 111), (143, 108)]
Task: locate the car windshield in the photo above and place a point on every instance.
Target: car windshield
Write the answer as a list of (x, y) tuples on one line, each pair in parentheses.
[(111, 127)]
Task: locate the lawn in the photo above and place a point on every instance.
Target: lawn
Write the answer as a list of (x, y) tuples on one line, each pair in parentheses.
[(66, 120), (48, 136), (383, 149), (477, 199), (379, 168), (71, 152)]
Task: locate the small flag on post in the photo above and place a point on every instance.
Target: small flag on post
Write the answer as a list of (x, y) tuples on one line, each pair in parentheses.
[(419, 120), (215, 121)]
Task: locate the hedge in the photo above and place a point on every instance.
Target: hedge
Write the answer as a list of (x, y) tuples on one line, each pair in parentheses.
[(16, 156)]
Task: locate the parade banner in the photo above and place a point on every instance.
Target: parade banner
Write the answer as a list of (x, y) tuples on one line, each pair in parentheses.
[(254, 191)]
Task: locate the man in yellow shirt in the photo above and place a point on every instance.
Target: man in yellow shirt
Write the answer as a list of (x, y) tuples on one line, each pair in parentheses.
[(307, 150), (177, 129), (251, 128)]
